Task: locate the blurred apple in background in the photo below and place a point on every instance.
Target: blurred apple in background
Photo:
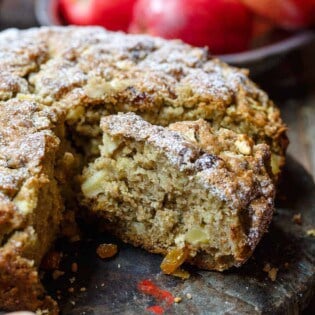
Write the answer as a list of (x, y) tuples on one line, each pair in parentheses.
[(115, 15), (223, 25), (289, 14)]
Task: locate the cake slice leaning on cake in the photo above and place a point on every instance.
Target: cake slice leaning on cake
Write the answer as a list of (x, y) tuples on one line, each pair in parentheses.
[(203, 194)]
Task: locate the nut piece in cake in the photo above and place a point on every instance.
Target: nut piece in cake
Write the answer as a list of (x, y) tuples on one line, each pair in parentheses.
[(187, 188)]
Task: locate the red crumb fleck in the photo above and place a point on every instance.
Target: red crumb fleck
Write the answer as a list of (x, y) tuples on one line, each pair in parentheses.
[(156, 309), (149, 288)]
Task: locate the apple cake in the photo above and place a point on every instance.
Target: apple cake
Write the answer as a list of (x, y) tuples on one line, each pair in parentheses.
[(56, 85)]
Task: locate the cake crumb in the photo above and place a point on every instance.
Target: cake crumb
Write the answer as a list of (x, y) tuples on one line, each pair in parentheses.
[(188, 296), (106, 250), (177, 299), (83, 289), (310, 232), (297, 218), (72, 302), (273, 274), (103, 284), (42, 312), (71, 289), (57, 274), (181, 273), (74, 267), (75, 238), (272, 271), (72, 280), (51, 260)]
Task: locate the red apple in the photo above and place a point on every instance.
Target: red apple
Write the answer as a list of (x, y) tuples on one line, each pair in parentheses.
[(289, 14), (223, 25), (114, 15)]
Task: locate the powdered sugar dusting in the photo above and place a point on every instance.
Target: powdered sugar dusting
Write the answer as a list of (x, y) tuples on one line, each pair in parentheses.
[(212, 172)]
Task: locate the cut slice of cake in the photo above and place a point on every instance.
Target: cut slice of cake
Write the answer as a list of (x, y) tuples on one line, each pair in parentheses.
[(206, 194)]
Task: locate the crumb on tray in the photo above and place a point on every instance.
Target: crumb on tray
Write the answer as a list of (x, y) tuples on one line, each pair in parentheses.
[(297, 218), (71, 289), (74, 267), (272, 271), (106, 250), (188, 296), (57, 274)]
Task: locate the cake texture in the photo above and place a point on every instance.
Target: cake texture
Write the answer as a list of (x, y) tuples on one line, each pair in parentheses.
[(57, 83), (202, 191)]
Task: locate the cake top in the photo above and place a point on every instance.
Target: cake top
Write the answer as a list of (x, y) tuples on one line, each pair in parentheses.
[(84, 66), (77, 54)]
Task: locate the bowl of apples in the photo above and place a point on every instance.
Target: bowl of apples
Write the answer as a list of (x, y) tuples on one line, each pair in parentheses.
[(252, 34)]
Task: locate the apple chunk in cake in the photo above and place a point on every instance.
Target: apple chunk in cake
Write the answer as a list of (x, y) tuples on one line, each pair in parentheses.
[(205, 192)]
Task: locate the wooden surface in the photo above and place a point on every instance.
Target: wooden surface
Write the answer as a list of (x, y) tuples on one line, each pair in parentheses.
[(292, 85)]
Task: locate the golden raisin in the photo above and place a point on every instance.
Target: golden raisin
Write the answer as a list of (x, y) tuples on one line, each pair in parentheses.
[(106, 250), (173, 260)]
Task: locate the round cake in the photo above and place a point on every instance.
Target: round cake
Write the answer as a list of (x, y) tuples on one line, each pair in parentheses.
[(57, 84)]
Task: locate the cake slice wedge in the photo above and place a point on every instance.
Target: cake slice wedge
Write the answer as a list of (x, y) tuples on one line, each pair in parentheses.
[(206, 195)]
